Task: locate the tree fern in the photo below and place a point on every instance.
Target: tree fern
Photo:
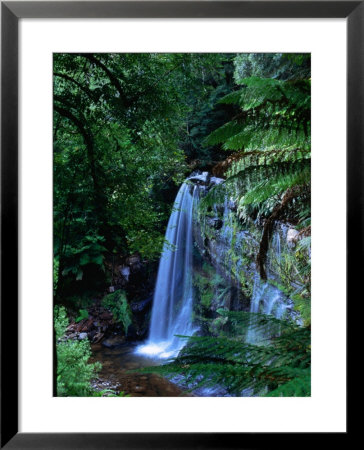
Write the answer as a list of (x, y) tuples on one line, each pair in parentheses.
[(274, 113), (259, 176), (266, 158), (281, 182), (278, 365)]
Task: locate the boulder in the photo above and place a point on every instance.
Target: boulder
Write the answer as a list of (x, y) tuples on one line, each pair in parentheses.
[(114, 341)]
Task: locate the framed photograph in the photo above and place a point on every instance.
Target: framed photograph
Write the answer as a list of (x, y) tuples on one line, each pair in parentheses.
[(159, 282)]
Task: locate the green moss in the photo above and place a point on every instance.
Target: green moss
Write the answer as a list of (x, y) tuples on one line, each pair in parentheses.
[(303, 305), (206, 298)]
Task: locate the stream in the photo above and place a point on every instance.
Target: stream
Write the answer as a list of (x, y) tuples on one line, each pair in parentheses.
[(116, 374)]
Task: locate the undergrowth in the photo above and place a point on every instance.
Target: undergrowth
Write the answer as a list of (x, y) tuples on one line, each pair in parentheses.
[(74, 372)]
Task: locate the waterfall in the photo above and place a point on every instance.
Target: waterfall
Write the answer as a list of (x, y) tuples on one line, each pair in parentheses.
[(266, 299), (173, 296)]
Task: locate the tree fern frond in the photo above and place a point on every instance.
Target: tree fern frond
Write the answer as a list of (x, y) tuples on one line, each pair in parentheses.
[(266, 158), (281, 367), (224, 132), (270, 187)]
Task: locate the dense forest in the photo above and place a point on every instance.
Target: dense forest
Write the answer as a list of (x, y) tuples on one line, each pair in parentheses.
[(182, 224)]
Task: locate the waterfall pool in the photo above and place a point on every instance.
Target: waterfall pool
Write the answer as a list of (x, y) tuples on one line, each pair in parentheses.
[(117, 367)]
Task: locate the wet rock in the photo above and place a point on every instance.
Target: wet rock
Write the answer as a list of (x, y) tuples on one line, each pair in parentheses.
[(201, 179), (125, 272), (114, 341), (292, 236), (72, 336), (139, 389), (215, 180), (97, 338), (141, 305), (132, 259), (232, 205), (131, 366), (134, 263), (214, 222), (137, 331), (106, 315)]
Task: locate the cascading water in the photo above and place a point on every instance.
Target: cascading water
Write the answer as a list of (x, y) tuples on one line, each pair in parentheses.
[(173, 296), (266, 299)]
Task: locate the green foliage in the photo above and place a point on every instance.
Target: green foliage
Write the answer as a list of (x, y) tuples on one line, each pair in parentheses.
[(60, 321), (88, 251), (215, 196), (249, 162), (118, 305), (272, 131), (269, 178), (302, 304), (257, 181), (55, 273), (293, 270), (276, 185), (119, 153), (109, 393), (274, 114), (209, 287), (280, 367), (206, 113), (74, 373), (282, 66), (83, 314)]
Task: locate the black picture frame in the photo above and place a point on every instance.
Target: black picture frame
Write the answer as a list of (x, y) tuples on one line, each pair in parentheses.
[(11, 12)]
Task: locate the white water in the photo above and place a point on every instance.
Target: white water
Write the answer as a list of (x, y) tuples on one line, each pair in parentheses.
[(266, 299), (173, 296)]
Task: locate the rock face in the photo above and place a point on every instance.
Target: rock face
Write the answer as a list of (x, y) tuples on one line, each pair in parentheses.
[(133, 275), (214, 222), (231, 248), (205, 179), (200, 178), (141, 306), (137, 278)]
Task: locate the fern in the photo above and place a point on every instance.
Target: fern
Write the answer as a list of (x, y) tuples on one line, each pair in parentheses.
[(117, 303), (271, 187), (255, 159), (224, 132), (74, 372), (83, 314), (279, 365), (257, 179), (274, 113)]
